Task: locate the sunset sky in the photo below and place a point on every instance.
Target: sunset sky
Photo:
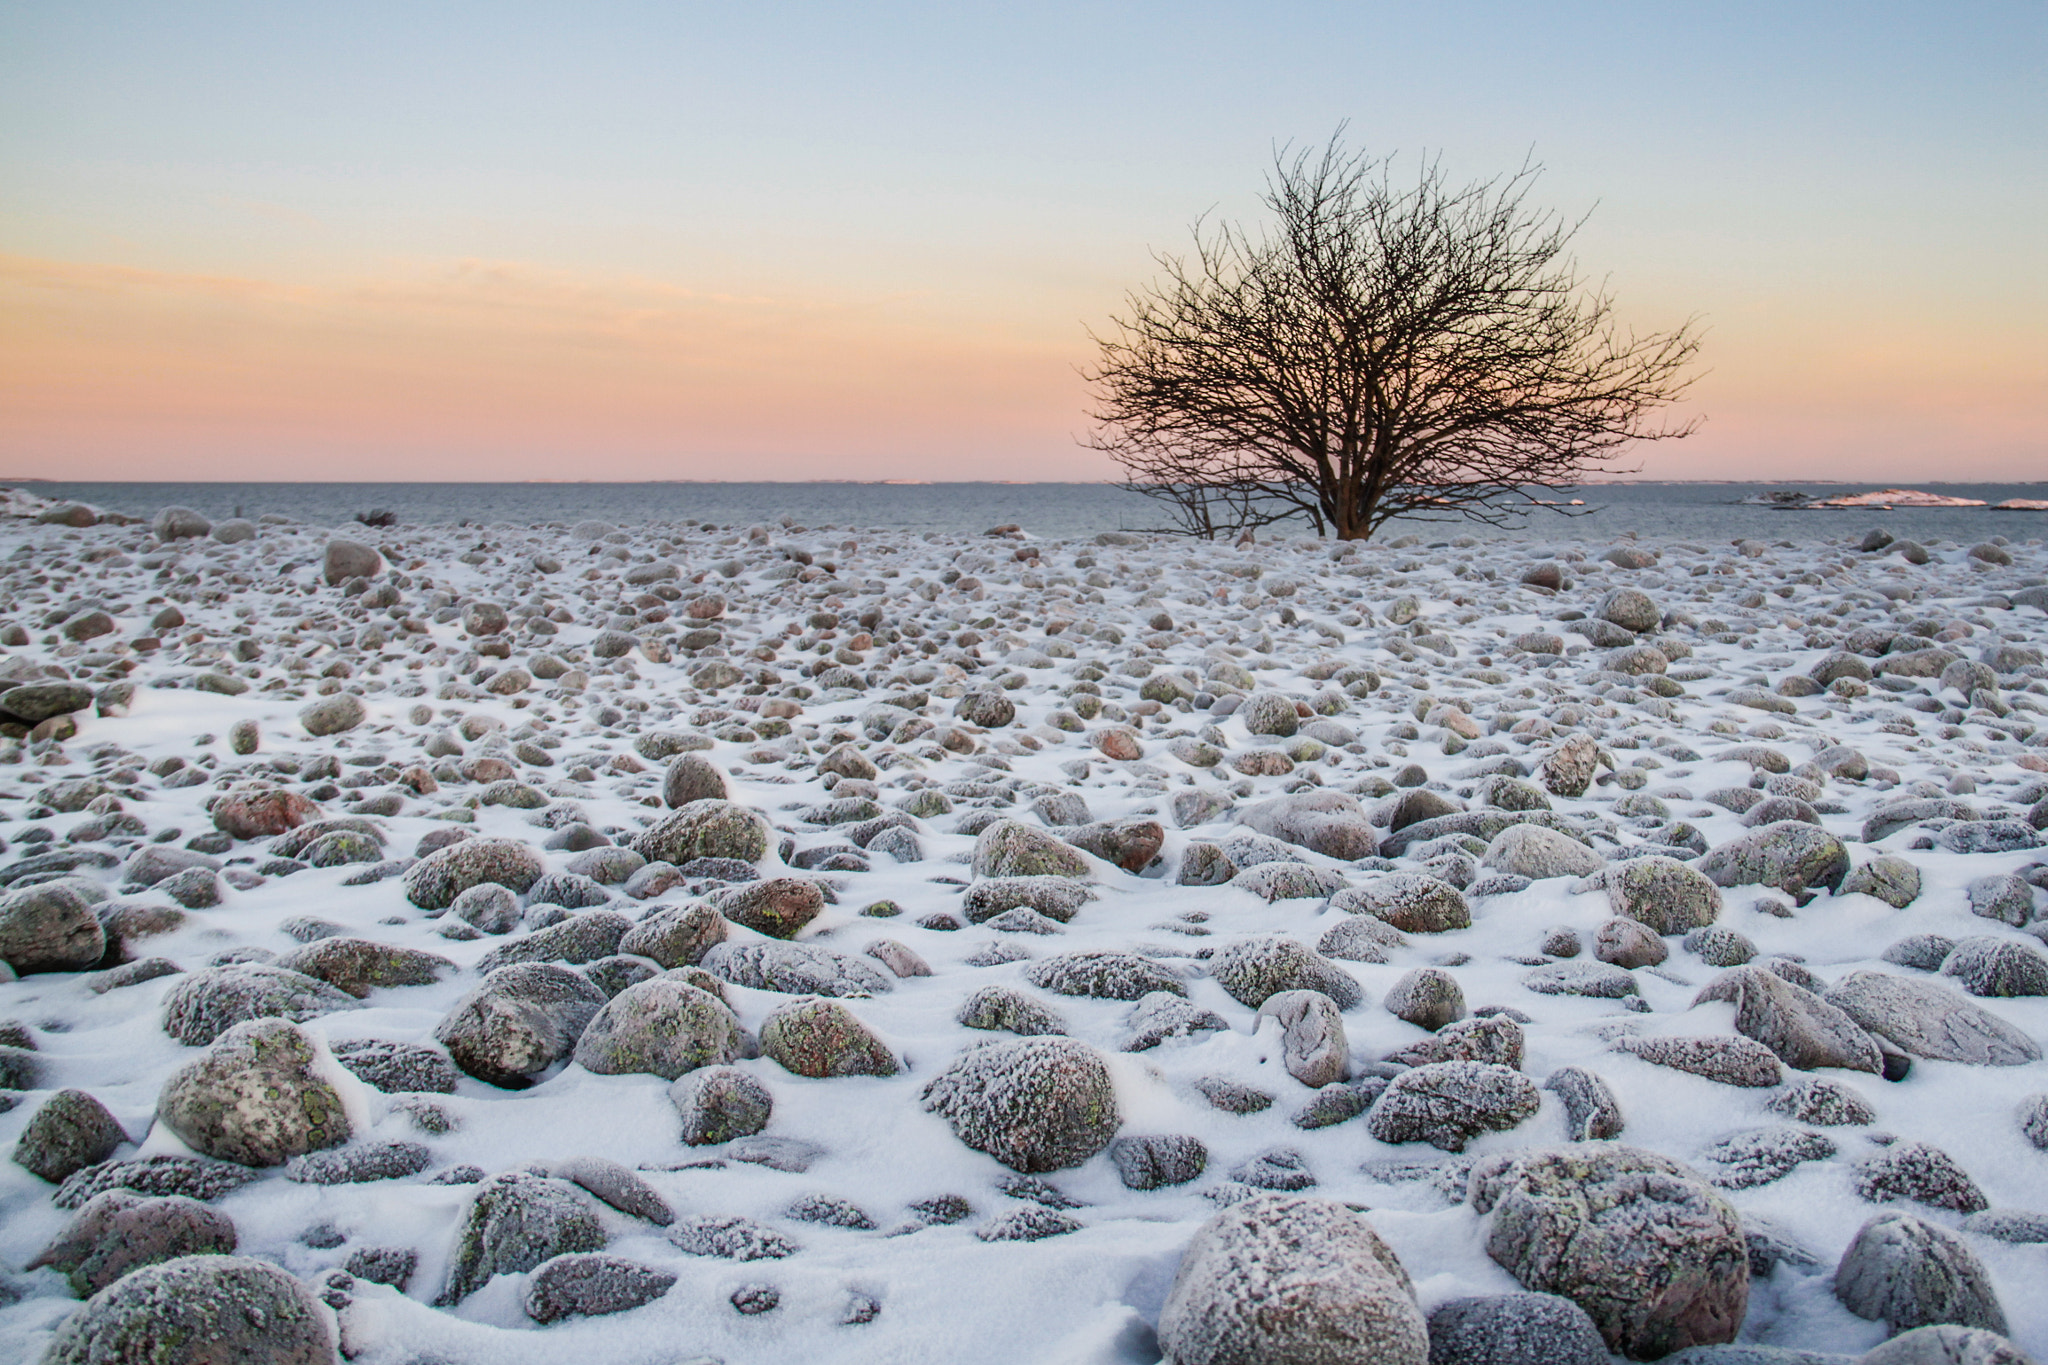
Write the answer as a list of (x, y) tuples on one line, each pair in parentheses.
[(780, 241)]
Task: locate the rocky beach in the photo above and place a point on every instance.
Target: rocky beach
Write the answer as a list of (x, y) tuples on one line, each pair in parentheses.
[(678, 942)]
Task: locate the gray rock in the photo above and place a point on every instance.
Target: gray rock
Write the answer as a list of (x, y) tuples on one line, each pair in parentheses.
[(1600, 980), (793, 969), (1160, 1016), (1988, 966), (197, 1310), (590, 1284), (1447, 1104), (1034, 1104), (706, 829), (1428, 997), (820, 1038), (397, 1068), (1252, 969), (1361, 938), (778, 907), (1275, 1278), (676, 935), (1010, 848), (118, 1232), (68, 1132), (1759, 1156), (356, 1165), (2007, 899), (720, 1103), (730, 1238), (1154, 1162), (1663, 894), (1627, 943), (1888, 877), (1925, 952), (186, 1176), (578, 939), (1823, 1101), (1925, 1020), (1269, 713), (692, 777), (1719, 946), (1989, 836), (1102, 975), (1805, 1031), (1313, 1047), (359, 965), (1514, 1329), (257, 1096), (1000, 1009), (1288, 881), (661, 1027), (1905, 1272), (2008, 1225), (49, 928), (518, 1022), (346, 559), (1731, 1061), (2033, 1118), (1921, 1173), (1790, 854), (1946, 1345), (1569, 769), (333, 715), (1537, 853), (436, 880), (515, 1222), (1590, 1110), (1326, 822), (1652, 1253), (1414, 902), (1057, 898)]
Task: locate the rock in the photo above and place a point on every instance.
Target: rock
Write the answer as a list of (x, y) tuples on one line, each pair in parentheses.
[(1325, 822), (1988, 966), (1759, 1156), (261, 814), (1537, 853), (1102, 975), (706, 829), (333, 715), (1151, 1163), (1819, 1100), (676, 935), (588, 1284), (519, 1021), (1034, 1104), (356, 1165), (1160, 1016), (661, 1027), (1569, 769), (1361, 938), (1282, 881), (1805, 1031), (1000, 1009), (346, 559), (1652, 1253), (205, 1004), (256, 1096), (1413, 902), (1313, 1047), (49, 928), (1629, 609), (1945, 1345), (1057, 898), (1275, 1278), (1663, 894), (578, 939), (1730, 1061), (1790, 855), (1888, 877), (492, 908), (179, 523), (720, 1103), (1428, 997), (197, 1310), (1905, 1272), (732, 1238), (820, 1038), (436, 880), (514, 1222), (358, 965), (397, 1068), (1447, 1104), (186, 1176), (1923, 1019), (778, 907), (793, 969), (1590, 1109), (1921, 1173), (118, 1232), (691, 777), (2007, 899), (2034, 1120), (1253, 969), (1719, 946), (1009, 848), (1514, 1329), (68, 1132), (1628, 944), (1600, 980), (1269, 713)]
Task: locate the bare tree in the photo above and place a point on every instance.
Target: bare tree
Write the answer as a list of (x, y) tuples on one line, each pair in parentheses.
[(1376, 352)]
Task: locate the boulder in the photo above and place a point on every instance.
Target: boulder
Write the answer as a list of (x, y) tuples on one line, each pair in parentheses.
[(1532, 851), (720, 1103), (359, 965), (1428, 997), (1413, 902), (436, 880), (1010, 848), (514, 1222), (205, 1004), (1313, 1047), (820, 1038), (1805, 1031), (1927, 1020), (1447, 1104), (519, 1021), (778, 907), (197, 1310), (589, 1284), (258, 1096), (1322, 821), (676, 935), (1663, 894), (1946, 1344), (346, 559), (1034, 1104), (1103, 976), (333, 715), (706, 829), (1791, 855), (1653, 1254), (1514, 1329), (1906, 1272), (68, 1132), (1253, 969), (1278, 1278), (120, 1231), (49, 928), (793, 969), (661, 1027)]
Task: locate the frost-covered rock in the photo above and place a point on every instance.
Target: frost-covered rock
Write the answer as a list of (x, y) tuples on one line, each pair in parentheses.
[(1790, 855), (1034, 1104), (819, 1038), (1514, 1329), (49, 928), (1325, 822), (1447, 1104), (1804, 1030), (1275, 1278), (119, 1231), (1253, 969), (720, 1103), (197, 1310), (1667, 896), (590, 1284), (706, 829), (1928, 1020), (662, 1027), (518, 1022), (1906, 1272), (257, 1096), (515, 1222), (1414, 902), (68, 1132), (1010, 848), (1313, 1046), (1103, 975), (793, 969), (1532, 851), (436, 880)]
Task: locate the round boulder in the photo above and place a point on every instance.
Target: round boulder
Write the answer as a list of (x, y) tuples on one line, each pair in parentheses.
[(197, 1310), (1034, 1104), (258, 1096), (662, 1027)]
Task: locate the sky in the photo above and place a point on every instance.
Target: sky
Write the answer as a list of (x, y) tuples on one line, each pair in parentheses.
[(619, 240)]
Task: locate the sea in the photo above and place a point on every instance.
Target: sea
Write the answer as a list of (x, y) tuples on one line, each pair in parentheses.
[(1710, 513)]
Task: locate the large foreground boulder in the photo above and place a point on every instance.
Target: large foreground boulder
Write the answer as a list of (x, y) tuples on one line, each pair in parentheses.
[(1804, 1030), (1282, 1279), (49, 928), (1644, 1245), (198, 1310), (1034, 1104), (1905, 1272), (258, 1096), (1927, 1020), (121, 1231)]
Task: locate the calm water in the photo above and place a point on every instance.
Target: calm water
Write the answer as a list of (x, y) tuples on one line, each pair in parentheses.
[(1697, 511)]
